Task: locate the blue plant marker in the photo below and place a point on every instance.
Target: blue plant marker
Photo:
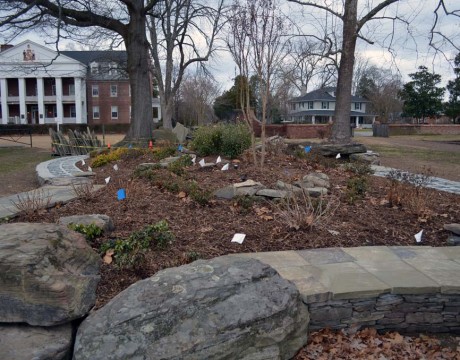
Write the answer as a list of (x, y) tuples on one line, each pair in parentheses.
[(307, 149), (180, 148), (121, 194), (130, 146)]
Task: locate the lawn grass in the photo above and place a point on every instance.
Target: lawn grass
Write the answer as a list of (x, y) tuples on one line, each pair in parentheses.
[(14, 159), (445, 157)]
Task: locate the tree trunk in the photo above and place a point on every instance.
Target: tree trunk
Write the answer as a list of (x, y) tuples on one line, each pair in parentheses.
[(341, 130), (139, 78), (166, 111)]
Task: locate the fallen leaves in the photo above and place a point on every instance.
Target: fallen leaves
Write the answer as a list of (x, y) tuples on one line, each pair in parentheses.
[(368, 344), (108, 256), (263, 213)]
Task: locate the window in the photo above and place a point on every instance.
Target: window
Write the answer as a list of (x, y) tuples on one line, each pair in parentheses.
[(73, 111), (94, 68), (96, 112), (113, 90), (114, 111), (71, 89), (325, 105), (310, 104), (113, 68), (95, 90), (357, 106), (53, 90)]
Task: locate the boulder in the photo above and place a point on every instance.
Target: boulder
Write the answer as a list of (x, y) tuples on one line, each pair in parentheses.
[(316, 191), (288, 187), (453, 228), (100, 220), (24, 342), (368, 157), (273, 194), (48, 274), (225, 308), (164, 135), (453, 240), (317, 179), (245, 188), (181, 132), (342, 149)]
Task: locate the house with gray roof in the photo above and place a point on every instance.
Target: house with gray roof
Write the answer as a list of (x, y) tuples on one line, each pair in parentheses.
[(318, 106)]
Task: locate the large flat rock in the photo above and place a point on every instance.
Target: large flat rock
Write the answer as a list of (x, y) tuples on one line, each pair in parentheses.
[(48, 274), (226, 308)]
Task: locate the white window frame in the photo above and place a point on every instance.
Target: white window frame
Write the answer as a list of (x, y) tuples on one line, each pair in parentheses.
[(114, 110), (96, 112), (94, 68), (325, 105), (112, 92), (73, 111), (310, 105), (95, 90), (357, 106)]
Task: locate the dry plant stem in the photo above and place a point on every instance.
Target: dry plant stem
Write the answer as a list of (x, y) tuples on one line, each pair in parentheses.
[(300, 212), (84, 190), (31, 201)]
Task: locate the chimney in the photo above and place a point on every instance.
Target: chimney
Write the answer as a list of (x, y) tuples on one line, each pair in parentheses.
[(4, 47)]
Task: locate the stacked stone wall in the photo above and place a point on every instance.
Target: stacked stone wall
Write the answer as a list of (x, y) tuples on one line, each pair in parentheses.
[(433, 313)]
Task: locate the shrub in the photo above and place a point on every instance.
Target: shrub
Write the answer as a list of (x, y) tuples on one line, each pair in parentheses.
[(235, 139), (227, 140), (84, 191), (356, 188), (30, 202), (163, 152), (303, 212), (90, 231), (198, 194), (130, 251), (103, 159), (178, 167), (359, 168)]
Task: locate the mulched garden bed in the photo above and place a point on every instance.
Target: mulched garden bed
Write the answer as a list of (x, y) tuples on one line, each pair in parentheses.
[(206, 231)]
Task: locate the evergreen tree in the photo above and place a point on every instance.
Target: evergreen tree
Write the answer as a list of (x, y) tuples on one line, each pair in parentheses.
[(421, 96), (453, 86)]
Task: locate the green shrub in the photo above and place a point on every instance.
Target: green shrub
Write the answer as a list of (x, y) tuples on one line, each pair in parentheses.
[(235, 139), (356, 188), (130, 251), (226, 140), (164, 152), (198, 194), (90, 231), (359, 168), (178, 167)]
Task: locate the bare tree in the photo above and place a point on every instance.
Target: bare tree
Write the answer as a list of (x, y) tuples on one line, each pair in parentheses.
[(182, 33), (125, 19), (197, 95), (352, 26)]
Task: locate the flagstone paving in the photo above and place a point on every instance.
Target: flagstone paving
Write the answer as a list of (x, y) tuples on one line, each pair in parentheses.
[(362, 272)]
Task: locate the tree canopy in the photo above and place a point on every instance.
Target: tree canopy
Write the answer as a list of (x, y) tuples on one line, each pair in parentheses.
[(422, 98), (453, 86)]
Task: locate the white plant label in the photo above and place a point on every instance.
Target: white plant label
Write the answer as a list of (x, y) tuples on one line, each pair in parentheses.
[(238, 238)]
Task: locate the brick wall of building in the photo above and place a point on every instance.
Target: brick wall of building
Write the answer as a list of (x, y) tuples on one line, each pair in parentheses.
[(295, 131), (105, 101), (403, 129)]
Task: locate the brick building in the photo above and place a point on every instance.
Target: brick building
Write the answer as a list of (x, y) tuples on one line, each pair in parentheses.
[(40, 86)]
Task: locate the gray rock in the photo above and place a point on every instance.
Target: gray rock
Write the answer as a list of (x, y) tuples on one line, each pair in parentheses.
[(317, 179), (227, 192), (207, 166), (24, 342), (67, 181), (246, 188), (274, 194), (303, 184), (164, 135), (453, 228), (100, 220), (342, 149), (83, 174), (453, 240), (166, 161), (316, 191), (181, 132), (288, 187), (224, 308), (368, 157), (48, 274), (147, 166)]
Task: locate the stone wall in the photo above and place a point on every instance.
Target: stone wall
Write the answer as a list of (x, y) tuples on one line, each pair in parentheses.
[(410, 129), (431, 313)]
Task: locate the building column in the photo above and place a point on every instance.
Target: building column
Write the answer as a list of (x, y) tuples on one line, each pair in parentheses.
[(357, 121), (313, 119), (330, 119), (41, 101), (22, 100), (59, 107), (4, 95), (78, 107)]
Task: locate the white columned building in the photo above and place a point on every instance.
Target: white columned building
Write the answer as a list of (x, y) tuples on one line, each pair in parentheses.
[(36, 83)]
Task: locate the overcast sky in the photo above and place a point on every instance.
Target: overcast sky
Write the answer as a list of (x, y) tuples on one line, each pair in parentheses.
[(403, 49)]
